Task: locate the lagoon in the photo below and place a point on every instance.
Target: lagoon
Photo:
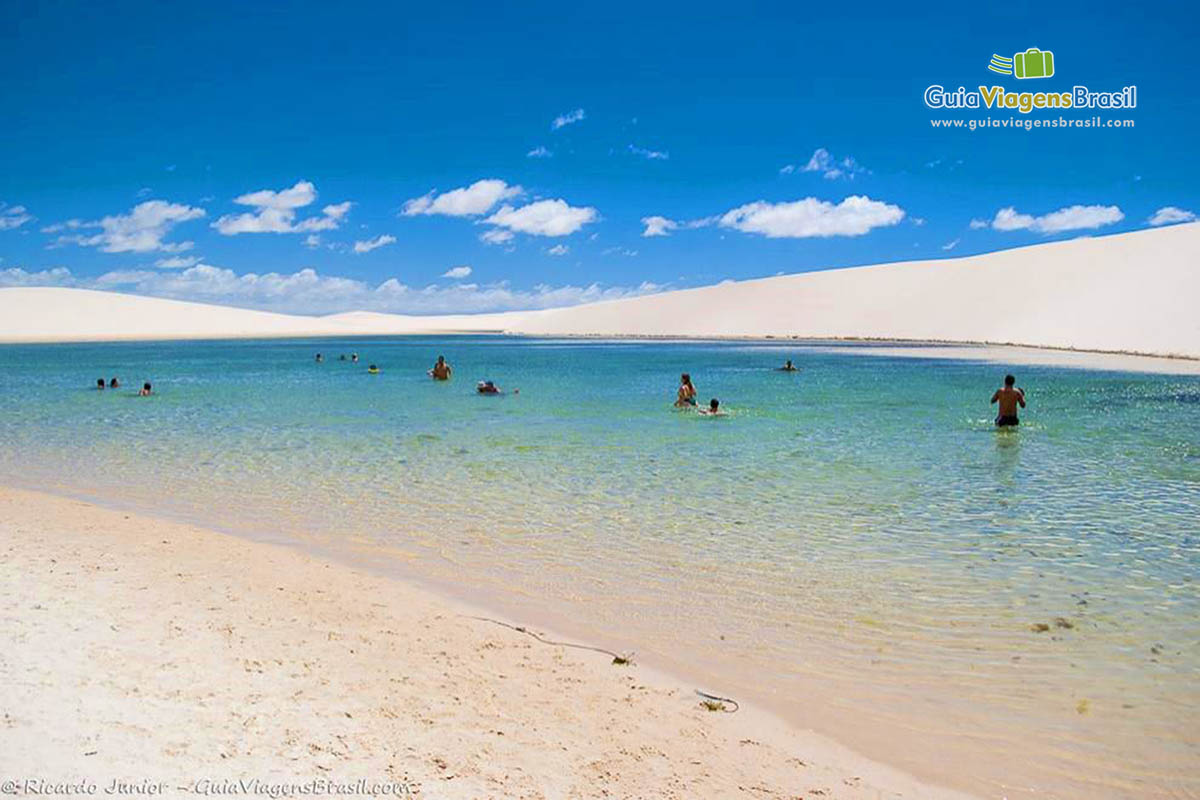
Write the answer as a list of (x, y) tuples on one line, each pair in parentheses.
[(855, 547)]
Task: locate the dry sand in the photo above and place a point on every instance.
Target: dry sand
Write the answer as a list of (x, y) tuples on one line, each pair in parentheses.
[(142, 649), (1130, 293)]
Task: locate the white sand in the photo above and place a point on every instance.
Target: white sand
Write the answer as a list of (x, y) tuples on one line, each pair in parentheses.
[(1131, 293), (138, 648)]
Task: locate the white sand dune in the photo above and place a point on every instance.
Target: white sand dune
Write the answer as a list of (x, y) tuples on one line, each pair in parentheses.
[(1132, 292)]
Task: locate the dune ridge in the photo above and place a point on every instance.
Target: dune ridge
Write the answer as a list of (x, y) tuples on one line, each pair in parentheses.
[(1126, 293)]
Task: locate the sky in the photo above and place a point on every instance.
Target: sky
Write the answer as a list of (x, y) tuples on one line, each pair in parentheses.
[(425, 158)]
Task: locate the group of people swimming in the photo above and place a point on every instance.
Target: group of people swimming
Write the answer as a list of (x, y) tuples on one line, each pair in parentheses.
[(440, 371), (114, 383), (1009, 396)]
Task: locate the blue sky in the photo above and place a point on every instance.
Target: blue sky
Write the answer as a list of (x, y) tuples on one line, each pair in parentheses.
[(209, 151)]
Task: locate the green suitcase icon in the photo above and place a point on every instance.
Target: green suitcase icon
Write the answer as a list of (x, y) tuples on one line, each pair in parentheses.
[(1033, 63)]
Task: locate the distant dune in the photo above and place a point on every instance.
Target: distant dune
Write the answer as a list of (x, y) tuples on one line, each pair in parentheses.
[(1134, 292)]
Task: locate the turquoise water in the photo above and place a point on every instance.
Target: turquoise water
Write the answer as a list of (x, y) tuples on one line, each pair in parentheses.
[(854, 546)]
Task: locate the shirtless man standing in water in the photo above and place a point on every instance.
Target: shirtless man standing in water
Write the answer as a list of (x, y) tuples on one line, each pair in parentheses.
[(441, 370), (1009, 397)]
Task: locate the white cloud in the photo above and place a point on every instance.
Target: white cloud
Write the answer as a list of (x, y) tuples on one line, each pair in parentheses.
[(307, 291), (539, 152), (1167, 215), (140, 231), (177, 262), (787, 169), (951, 245), (810, 217), (976, 224), (382, 240), (543, 218), (496, 236), (1069, 218), (71, 224), (831, 168), (558, 250), (570, 118), (658, 226), (468, 201), (312, 241), (649, 155), (15, 276), (457, 272), (13, 217), (619, 251), (275, 212)]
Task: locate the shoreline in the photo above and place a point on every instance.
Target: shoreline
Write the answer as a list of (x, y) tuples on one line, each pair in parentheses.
[(662, 742)]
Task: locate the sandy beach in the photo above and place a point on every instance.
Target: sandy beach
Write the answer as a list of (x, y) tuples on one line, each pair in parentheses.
[(1127, 293), (141, 649)]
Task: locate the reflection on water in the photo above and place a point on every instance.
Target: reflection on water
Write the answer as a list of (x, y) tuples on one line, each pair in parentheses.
[(854, 542)]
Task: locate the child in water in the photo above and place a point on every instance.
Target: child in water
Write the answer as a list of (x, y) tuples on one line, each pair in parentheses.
[(714, 409), (145, 392), (686, 396)]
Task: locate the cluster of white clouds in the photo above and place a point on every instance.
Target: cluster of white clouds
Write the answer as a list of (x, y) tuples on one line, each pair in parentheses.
[(506, 210), (1069, 218), (13, 217), (275, 212), (831, 168), (1073, 218), (307, 291), (800, 219), (538, 218), (142, 230)]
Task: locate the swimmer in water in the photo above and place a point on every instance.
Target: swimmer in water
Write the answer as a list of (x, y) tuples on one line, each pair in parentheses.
[(145, 392), (714, 409), (99, 383), (487, 387), (354, 357), (1009, 396), (114, 383), (788, 367), (441, 370), (320, 358), (686, 396), (372, 370)]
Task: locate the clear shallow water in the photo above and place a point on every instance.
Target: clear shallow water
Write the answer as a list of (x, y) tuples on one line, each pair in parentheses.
[(854, 547)]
